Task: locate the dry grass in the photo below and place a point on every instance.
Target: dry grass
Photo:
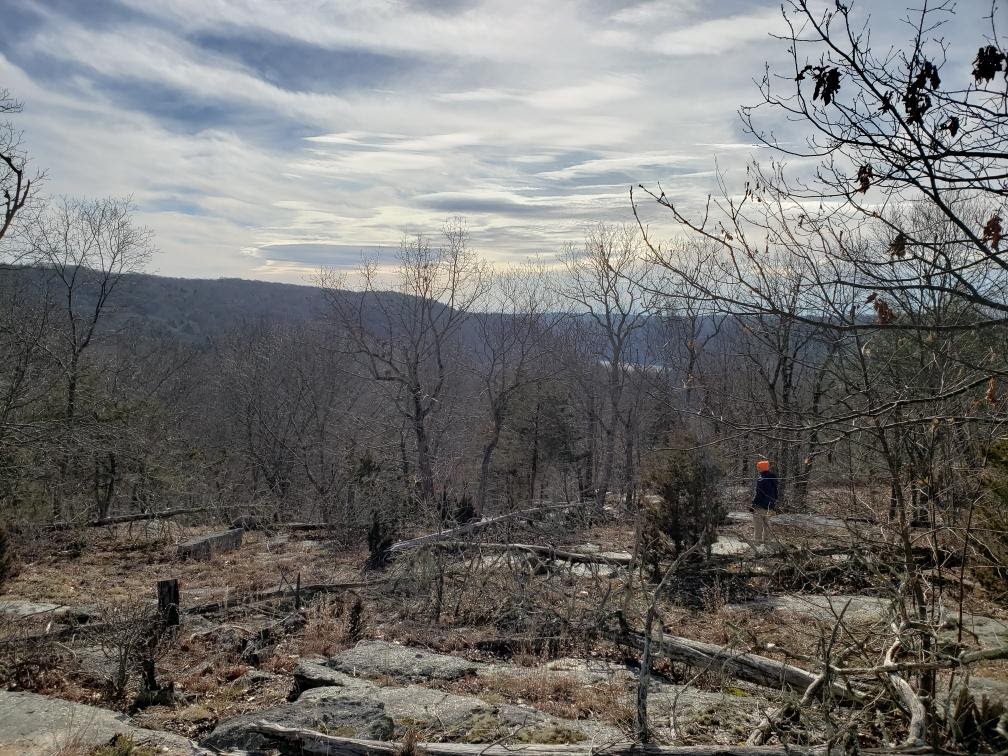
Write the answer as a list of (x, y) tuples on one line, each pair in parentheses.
[(109, 562), (334, 623), (556, 693)]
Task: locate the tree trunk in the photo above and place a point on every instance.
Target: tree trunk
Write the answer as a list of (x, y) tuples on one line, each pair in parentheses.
[(424, 467), (488, 450)]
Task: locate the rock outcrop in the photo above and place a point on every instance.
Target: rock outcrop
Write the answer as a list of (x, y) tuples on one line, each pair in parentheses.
[(30, 723)]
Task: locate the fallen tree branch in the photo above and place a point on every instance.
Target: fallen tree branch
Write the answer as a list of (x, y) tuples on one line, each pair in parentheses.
[(548, 552), (312, 742), (473, 527), (120, 519), (913, 704), (770, 723), (760, 670)]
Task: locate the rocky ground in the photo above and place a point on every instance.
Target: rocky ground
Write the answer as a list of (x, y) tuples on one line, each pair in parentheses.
[(370, 662)]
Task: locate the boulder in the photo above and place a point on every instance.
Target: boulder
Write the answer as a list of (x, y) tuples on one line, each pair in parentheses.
[(215, 543), (466, 719), (30, 723), (312, 672)]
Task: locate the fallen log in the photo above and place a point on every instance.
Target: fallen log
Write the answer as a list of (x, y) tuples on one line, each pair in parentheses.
[(760, 670), (204, 547), (473, 527), (312, 742), (547, 552), (121, 519)]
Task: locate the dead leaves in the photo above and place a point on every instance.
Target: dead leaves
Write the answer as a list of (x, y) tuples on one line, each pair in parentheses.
[(864, 177), (988, 63), (827, 82), (951, 126), (992, 232), (884, 314), (916, 100), (897, 248)]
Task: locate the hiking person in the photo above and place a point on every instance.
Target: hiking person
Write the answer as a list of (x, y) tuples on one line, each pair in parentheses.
[(764, 500)]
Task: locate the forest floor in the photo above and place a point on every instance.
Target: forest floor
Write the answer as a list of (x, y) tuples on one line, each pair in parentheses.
[(473, 646)]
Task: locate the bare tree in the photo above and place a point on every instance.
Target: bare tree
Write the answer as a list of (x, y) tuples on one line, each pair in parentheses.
[(513, 348), (603, 286), (406, 340), (15, 183), (86, 248), (897, 127)]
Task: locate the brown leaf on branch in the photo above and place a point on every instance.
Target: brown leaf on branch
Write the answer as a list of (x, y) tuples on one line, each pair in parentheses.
[(864, 177), (988, 62), (992, 231), (951, 126), (883, 312), (898, 246), (827, 82)]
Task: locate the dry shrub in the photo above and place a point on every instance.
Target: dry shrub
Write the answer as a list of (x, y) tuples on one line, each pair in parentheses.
[(409, 745), (713, 596), (332, 625), (323, 631), (132, 641), (38, 665)]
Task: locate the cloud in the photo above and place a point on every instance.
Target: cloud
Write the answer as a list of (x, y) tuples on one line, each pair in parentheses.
[(720, 35), (265, 139)]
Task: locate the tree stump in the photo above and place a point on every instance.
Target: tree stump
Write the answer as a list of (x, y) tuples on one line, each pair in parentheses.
[(168, 602)]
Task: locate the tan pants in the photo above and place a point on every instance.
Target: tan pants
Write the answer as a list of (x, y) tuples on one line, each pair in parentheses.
[(761, 524)]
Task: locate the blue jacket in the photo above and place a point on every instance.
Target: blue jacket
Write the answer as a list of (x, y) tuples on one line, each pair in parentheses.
[(766, 491)]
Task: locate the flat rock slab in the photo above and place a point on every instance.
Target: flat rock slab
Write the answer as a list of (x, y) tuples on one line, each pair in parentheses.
[(19, 607), (475, 719), (380, 659), (31, 723), (993, 690), (986, 632), (312, 672), (806, 521), (726, 545), (216, 543), (861, 609)]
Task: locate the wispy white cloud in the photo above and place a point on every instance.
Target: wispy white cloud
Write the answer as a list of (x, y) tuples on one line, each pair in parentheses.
[(531, 119)]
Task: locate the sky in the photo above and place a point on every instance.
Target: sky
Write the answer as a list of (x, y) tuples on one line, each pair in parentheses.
[(264, 139)]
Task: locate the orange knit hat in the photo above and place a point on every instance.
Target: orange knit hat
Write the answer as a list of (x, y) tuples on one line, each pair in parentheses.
[(763, 465)]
